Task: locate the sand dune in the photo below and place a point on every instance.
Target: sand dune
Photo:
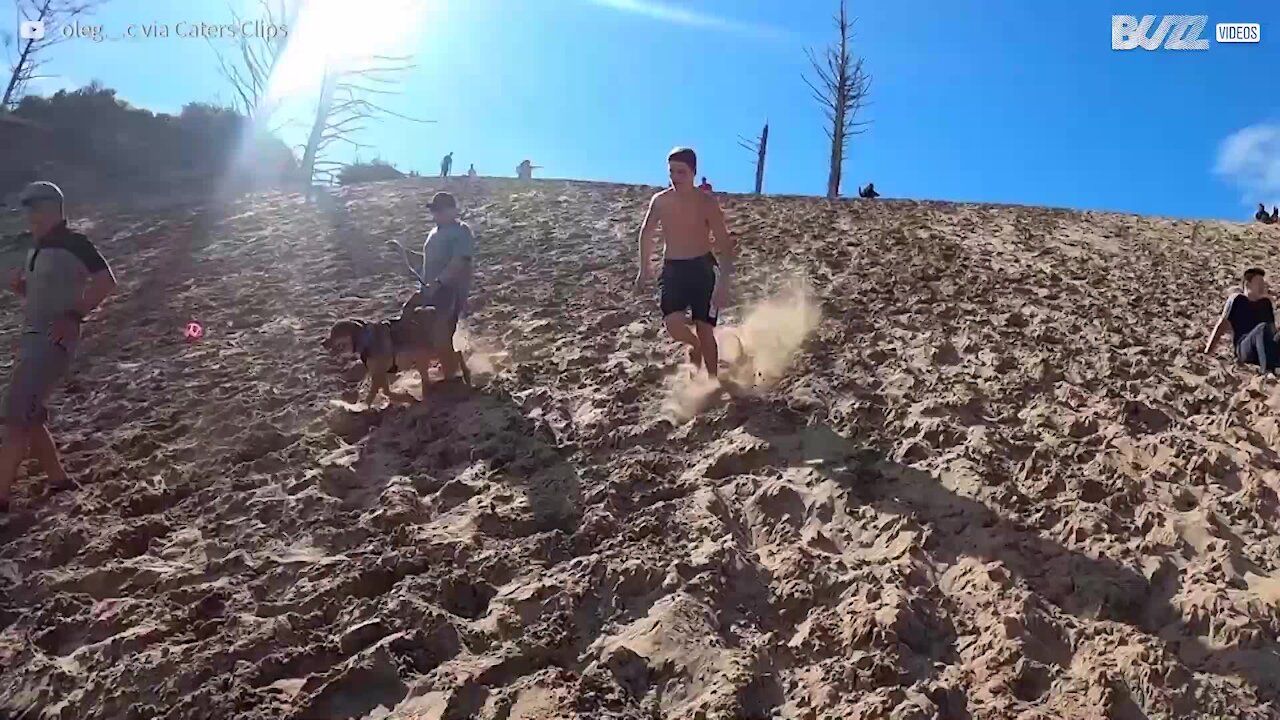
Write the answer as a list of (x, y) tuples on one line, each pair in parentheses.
[(972, 465)]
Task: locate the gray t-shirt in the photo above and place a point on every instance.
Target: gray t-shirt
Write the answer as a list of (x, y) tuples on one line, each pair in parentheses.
[(57, 271), (444, 243)]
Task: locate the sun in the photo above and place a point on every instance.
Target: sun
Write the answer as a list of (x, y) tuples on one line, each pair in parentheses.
[(344, 33)]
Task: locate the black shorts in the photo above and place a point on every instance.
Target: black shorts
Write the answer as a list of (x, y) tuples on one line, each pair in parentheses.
[(688, 284)]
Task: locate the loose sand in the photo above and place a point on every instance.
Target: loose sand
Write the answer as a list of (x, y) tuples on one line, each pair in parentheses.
[(971, 464)]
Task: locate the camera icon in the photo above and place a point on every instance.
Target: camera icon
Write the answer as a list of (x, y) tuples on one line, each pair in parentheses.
[(31, 30)]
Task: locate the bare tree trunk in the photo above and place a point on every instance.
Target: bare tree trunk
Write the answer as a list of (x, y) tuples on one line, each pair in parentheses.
[(21, 69), (13, 78), (764, 148), (344, 108), (837, 159), (252, 64), (54, 14), (758, 148), (841, 92), (323, 108), (841, 86)]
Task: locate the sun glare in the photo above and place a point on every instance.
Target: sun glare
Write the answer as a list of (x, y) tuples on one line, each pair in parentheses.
[(345, 33)]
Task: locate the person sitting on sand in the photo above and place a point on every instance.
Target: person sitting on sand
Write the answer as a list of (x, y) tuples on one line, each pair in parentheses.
[(696, 272), (1252, 322), (1261, 215), (62, 281), (868, 192)]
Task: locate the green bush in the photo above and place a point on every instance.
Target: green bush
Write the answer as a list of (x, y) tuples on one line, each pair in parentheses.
[(89, 137), (368, 172)]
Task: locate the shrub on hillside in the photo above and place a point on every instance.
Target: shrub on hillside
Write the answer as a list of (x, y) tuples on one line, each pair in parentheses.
[(368, 172), (93, 142)]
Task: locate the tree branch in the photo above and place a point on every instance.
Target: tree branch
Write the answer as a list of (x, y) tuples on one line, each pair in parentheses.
[(346, 106), (840, 85)]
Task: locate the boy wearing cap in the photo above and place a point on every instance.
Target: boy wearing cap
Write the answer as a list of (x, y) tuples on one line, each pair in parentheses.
[(63, 280), (447, 268)]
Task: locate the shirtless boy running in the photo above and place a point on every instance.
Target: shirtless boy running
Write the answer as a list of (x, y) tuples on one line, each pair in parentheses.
[(695, 271)]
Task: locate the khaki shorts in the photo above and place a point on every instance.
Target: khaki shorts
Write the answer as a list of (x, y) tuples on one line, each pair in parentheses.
[(448, 305), (448, 308), (40, 368)]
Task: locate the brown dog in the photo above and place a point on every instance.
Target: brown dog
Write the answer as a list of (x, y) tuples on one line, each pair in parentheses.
[(408, 341)]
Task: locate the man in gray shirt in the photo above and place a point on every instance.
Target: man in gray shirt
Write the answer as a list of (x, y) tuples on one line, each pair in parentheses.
[(447, 270), (63, 280)]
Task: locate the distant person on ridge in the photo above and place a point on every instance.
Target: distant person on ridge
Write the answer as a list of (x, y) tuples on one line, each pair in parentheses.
[(471, 171), (868, 192), (705, 186), (1252, 321), (696, 272), (62, 281), (524, 170), (446, 165), (1275, 214), (1262, 216)]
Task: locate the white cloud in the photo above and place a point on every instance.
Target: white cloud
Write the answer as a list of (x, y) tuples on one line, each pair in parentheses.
[(1250, 160), (691, 18)]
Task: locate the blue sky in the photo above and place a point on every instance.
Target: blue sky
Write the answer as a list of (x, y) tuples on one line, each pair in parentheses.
[(972, 100)]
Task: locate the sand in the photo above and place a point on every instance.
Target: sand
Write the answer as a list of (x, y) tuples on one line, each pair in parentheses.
[(970, 464)]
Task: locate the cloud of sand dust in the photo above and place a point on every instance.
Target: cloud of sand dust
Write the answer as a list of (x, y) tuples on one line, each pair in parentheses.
[(758, 352), (682, 16), (1250, 160), (483, 355)]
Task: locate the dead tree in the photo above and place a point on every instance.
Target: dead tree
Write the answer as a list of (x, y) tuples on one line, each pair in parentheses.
[(758, 148), (344, 109), (841, 85), (28, 55), (324, 107), (254, 60)]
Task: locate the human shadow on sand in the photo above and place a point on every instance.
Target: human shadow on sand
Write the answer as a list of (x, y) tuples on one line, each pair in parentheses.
[(464, 469), (363, 257), (462, 442), (1091, 588)]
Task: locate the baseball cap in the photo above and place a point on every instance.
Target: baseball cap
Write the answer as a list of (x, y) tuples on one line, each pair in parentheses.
[(40, 190), (443, 201)]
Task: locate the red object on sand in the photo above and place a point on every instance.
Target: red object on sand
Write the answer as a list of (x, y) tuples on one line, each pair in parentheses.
[(194, 331)]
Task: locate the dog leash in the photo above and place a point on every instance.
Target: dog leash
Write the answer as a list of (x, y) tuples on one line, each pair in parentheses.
[(405, 254)]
